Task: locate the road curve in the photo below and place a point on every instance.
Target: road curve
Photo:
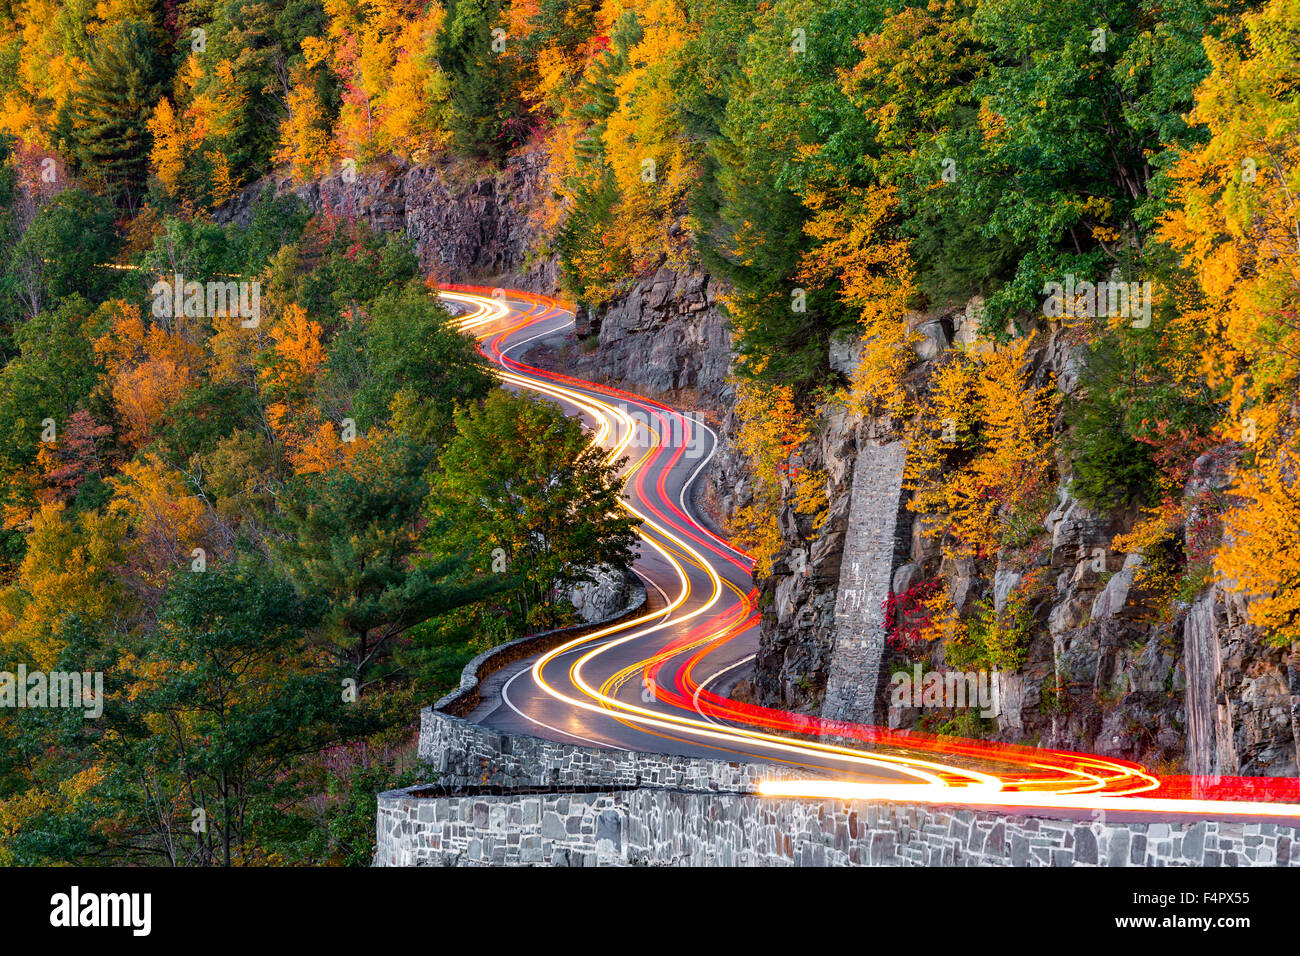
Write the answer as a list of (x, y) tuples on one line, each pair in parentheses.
[(651, 684)]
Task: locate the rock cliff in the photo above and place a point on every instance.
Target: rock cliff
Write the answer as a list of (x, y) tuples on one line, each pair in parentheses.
[(469, 224), (1195, 689)]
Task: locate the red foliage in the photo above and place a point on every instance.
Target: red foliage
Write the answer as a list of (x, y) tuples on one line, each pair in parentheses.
[(83, 450), (906, 615)]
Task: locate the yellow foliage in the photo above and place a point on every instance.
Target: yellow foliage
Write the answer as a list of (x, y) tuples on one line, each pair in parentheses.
[(940, 620), (324, 449), (980, 453), (1261, 551), (1237, 227), (773, 432), (1236, 221), (213, 113), (167, 158), (150, 368), (305, 142), (876, 275), (233, 351), (70, 568), (48, 70), (393, 90), (166, 519)]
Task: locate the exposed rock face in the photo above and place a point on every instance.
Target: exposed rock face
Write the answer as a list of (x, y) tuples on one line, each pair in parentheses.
[(1242, 694), (467, 225), (666, 336), (602, 598), (1197, 690)]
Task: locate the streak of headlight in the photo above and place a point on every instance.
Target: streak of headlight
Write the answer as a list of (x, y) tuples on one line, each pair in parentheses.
[(980, 796)]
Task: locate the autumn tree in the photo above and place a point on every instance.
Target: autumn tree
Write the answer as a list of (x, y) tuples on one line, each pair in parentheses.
[(1235, 226), (774, 439), (981, 465), (521, 476)]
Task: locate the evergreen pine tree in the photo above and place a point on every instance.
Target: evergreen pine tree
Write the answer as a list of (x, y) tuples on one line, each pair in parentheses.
[(109, 110), (485, 108)]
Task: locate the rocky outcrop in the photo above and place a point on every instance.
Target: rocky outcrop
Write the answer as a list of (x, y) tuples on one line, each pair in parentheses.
[(1242, 693), (665, 336), (603, 596), (468, 224)]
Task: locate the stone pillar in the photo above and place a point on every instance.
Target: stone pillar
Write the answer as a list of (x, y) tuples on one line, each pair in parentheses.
[(1210, 749), (866, 573)]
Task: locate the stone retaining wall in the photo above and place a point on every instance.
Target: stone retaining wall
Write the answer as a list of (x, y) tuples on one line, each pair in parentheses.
[(866, 574), (465, 754), (507, 799), (466, 697), (664, 827)]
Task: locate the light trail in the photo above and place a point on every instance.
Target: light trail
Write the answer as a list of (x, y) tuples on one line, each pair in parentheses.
[(990, 774)]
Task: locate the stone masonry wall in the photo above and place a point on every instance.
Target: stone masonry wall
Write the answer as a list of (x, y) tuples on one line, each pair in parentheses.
[(866, 574), (504, 799), (664, 827), (465, 754)]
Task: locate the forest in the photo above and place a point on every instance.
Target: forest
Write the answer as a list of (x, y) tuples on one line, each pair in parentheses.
[(270, 533)]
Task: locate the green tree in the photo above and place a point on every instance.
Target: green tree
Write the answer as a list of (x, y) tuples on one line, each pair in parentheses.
[(485, 109), (239, 698), (204, 730), (64, 250), (53, 375), (415, 363), (352, 546), (108, 110), (750, 208), (521, 476)]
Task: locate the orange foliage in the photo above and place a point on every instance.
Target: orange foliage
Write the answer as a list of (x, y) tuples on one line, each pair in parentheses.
[(297, 352), (1237, 226), (149, 368), (166, 518)]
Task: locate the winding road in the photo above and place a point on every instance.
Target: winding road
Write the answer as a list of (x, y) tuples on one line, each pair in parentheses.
[(657, 682)]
